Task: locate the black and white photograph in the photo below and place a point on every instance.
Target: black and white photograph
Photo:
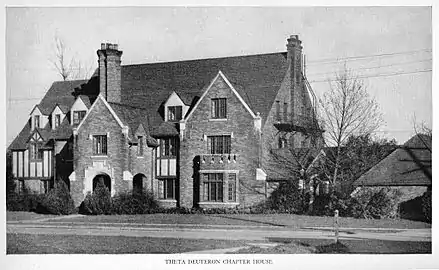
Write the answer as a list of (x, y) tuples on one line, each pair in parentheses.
[(218, 136)]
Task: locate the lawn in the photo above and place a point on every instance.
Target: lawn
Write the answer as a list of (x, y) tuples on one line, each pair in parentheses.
[(281, 220), (77, 244), (343, 247)]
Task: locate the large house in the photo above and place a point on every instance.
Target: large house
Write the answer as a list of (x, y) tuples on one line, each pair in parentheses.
[(196, 133)]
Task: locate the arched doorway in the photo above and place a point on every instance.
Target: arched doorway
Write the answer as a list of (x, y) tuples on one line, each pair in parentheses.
[(104, 179), (138, 180)]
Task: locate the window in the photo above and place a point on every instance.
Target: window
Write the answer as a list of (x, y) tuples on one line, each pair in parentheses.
[(35, 152), (174, 113), (45, 185), (213, 187), (232, 187), (78, 116), (140, 146), (37, 121), (285, 112), (219, 108), (57, 120), (166, 189), (168, 147), (282, 142), (100, 145), (277, 111), (219, 144)]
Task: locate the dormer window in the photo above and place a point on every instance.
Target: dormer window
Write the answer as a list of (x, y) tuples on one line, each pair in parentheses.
[(78, 116), (57, 120), (37, 121), (219, 108), (175, 113)]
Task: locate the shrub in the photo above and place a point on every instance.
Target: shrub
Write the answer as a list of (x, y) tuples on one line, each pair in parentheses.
[(379, 204), (287, 198), (26, 201), (134, 203), (98, 203), (426, 205), (58, 201)]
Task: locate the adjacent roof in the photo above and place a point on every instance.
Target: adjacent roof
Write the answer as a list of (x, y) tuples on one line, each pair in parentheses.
[(63, 132), (59, 93), (132, 117), (86, 100), (408, 165), (257, 78)]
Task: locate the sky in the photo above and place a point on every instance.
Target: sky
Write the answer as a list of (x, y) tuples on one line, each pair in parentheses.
[(389, 48)]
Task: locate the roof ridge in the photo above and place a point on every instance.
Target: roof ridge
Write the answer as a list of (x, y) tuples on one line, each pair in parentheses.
[(203, 59), (126, 105)]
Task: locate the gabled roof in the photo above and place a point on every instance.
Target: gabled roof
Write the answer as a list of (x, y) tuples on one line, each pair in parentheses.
[(409, 165), (257, 79), (86, 100), (19, 142), (63, 131), (133, 117), (59, 93), (65, 109)]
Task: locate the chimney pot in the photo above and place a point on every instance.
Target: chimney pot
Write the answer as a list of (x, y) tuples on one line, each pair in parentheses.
[(102, 46)]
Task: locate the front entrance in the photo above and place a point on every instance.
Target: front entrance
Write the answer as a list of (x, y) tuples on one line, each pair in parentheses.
[(104, 179)]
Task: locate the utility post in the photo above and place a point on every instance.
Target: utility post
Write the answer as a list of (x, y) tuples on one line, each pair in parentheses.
[(336, 225)]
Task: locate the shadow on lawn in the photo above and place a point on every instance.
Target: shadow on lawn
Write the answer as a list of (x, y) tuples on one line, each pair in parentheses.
[(254, 221)]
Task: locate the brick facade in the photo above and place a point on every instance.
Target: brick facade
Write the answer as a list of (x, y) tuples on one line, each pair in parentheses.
[(131, 104), (244, 143)]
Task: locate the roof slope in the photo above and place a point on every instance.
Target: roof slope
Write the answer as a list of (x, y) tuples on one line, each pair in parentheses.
[(59, 93), (132, 117), (257, 78), (409, 164)]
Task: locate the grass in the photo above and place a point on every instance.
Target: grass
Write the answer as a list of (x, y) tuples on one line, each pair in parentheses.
[(343, 247), (281, 220), (21, 216), (77, 244)]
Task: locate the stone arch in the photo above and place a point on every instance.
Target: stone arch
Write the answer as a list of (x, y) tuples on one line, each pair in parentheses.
[(138, 182), (105, 178)]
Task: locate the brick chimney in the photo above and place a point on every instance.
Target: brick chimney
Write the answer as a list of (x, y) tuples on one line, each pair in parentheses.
[(110, 72), (294, 60), (294, 49)]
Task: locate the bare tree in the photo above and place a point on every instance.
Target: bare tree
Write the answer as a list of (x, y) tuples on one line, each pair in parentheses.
[(68, 67), (348, 110)]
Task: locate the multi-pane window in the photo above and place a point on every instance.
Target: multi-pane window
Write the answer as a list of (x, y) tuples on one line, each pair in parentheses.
[(166, 188), (35, 152), (219, 108), (168, 147), (277, 110), (140, 146), (174, 113), (78, 116), (219, 144), (57, 120), (285, 112), (232, 187), (100, 144), (37, 121), (213, 187)]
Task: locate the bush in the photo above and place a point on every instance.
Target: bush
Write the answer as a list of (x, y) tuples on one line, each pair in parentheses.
[(98, 203), (58, 201), (383, 203), (27, 202), (426, 205), (134, 203), (287, 198)]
